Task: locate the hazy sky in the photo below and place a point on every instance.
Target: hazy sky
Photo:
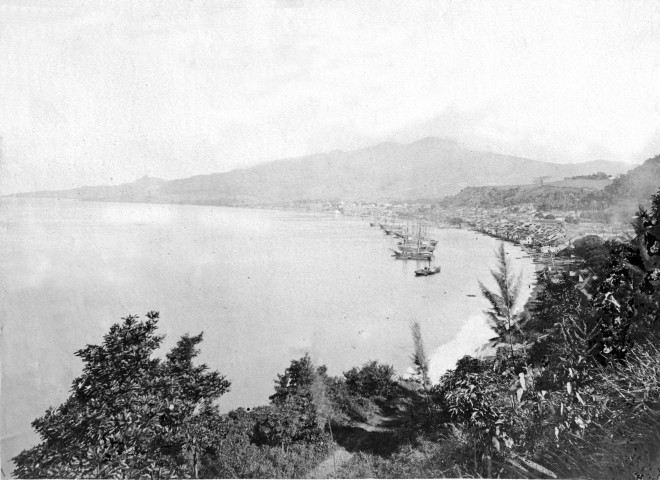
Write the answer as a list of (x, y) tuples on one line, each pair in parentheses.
[(97, 93)]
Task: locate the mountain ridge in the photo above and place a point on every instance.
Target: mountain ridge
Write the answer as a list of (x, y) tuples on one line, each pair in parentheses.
[(427, 168)]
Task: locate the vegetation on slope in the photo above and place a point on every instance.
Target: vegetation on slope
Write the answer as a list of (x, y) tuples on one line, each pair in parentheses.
[(588, 192), (578, 393), (638, 184), (574, 390), (564, 195)]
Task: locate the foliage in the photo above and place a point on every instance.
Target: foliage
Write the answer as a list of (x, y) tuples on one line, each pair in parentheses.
[(503, 316), (296, 381), (448, 457), (347, 405), (557, 298), (638, 184), (283, 439), (579, 397), (467, 393), (236, 455), (618, 419), (594, 251), (372, 379), (593, 176), (290, 421), (295, 414), (129, 414)]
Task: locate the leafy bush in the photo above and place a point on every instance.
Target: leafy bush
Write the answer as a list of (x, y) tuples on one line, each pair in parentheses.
[(247, 460), (129, 414), (371, 380), (347, 405), (449, 457)]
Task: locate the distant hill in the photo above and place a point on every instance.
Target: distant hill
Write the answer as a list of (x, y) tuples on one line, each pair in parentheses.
[(632, 189), (563, 194), (429, 168), (617, 199), (638, 184)]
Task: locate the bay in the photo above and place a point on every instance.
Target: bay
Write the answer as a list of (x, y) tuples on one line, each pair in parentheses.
[(264, 286)]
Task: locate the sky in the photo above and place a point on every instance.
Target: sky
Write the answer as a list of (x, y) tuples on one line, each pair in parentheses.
[(96, 93)]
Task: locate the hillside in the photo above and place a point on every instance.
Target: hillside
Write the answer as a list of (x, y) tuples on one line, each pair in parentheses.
[(563, 194), (637, 185), (429, 168)]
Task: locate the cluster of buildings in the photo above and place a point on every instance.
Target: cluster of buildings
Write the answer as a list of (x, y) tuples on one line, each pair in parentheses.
[(545, 232), (544, 236)]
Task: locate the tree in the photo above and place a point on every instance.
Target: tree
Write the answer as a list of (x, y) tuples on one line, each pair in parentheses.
[(557, 298), (296, 381), (129, 415), (502, 315), (372, 379), (294, 415)]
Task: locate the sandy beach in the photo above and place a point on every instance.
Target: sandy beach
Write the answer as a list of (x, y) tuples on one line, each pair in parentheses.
[(473, 338)]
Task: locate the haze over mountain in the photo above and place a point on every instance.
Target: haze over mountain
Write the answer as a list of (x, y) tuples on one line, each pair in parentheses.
[(428, 168)]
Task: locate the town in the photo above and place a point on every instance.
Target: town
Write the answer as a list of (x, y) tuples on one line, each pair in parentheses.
[(548, 237), (539, 231)]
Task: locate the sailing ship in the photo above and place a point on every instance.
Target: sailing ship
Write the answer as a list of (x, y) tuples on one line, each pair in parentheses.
[(412, 255), (414, 248)]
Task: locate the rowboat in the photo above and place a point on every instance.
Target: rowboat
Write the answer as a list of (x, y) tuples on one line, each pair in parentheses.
[(423, 272)]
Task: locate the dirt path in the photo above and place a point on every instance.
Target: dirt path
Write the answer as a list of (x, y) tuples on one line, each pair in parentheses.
[(329, 466), (350, 439)]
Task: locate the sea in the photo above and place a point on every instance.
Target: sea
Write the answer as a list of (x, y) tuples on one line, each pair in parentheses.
[(265, 287)]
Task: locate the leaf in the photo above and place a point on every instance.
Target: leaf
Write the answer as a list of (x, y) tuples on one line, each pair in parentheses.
[(537, 467), (516, 464)]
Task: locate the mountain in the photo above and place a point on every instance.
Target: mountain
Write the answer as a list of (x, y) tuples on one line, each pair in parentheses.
[(429, 168)]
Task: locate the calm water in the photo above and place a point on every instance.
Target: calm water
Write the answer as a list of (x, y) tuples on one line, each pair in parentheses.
[(264, 286)]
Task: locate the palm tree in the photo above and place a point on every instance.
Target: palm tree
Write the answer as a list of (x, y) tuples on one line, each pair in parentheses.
[(502, 314)]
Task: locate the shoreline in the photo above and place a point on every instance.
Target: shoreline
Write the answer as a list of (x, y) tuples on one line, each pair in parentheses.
[(473, 338)]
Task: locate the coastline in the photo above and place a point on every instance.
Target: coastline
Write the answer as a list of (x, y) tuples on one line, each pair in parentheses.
[(473, 338), (361, 300)]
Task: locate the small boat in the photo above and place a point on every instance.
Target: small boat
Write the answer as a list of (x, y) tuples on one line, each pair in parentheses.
[(423, 272)]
